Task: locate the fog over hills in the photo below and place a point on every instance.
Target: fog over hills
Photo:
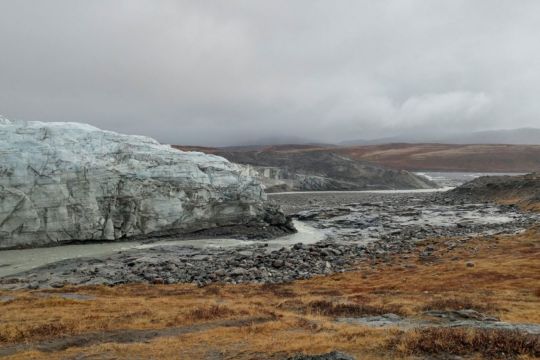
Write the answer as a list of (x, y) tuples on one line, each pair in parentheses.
[(221, 74), (522, 136)]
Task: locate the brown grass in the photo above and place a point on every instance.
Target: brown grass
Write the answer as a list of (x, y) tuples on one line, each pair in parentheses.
[(212, 312), (328, 308), (278, 290), (504, 280), (12, 333), (459, 303), (492, 343)]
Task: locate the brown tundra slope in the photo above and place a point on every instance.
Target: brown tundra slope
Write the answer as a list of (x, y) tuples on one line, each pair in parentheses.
[(305, 168), (417, 157), (523, 191), (445, 157)]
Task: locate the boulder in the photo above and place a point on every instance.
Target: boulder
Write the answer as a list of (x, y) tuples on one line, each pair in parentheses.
[(65, 182)]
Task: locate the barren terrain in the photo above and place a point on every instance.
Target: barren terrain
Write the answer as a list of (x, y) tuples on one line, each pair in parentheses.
[(418, 157)]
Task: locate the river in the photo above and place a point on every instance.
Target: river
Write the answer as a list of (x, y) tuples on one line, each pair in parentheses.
[(15, 261)]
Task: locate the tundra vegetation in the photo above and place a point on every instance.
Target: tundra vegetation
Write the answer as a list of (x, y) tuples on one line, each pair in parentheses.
[(496, 275)]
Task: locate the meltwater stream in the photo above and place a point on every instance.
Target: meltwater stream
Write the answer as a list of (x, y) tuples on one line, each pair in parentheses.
[(360, 216), (16, 261)]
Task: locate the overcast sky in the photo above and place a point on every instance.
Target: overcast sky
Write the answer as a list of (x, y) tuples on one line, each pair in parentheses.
[(229, 72)]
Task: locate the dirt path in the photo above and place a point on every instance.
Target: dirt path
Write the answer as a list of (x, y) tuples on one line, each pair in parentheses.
[(124, 336)]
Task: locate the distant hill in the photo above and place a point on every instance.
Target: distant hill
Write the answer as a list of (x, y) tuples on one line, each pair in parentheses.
[(523, 191), (522, 136), (309, 168), (449, 157), (277, 147), (412, 157), (277, 140)]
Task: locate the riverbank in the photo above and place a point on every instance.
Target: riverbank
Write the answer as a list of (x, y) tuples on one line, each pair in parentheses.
[(337, 231), (496, 276), (393, 275)]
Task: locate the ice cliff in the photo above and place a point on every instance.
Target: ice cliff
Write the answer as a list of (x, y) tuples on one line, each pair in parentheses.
[(62, 182)]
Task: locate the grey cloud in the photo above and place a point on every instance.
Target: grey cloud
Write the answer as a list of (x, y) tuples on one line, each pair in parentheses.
[(223, 72)]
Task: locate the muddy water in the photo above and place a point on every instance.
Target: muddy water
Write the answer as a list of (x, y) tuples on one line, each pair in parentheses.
[(413, 191), (364, 217), (453, 179), (15, 261), (342, 216)]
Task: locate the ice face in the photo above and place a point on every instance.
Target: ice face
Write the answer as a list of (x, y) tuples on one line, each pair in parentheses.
[(71, 181)]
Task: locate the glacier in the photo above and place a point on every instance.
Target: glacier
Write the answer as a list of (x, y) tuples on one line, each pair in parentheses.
[(63, 182)]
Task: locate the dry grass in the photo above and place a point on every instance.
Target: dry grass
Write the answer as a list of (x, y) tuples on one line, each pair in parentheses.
[(458, 303), (212, 312), (12, 333), (491, 343), (504, 281), (328, 308), (278, 290)]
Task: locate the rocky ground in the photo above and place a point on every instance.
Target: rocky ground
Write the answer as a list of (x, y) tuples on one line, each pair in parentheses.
[(317, 170), (523, 191), (441, 318), (357, 226), (401, 217)]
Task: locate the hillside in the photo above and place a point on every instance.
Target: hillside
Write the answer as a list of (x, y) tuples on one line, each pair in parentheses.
[(412, 157), (523, 190), (444, 157), (299, 168), (521, 136)]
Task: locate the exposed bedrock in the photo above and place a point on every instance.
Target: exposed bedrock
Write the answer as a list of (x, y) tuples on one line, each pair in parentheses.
[(522, 190), (62, 182), (321, 170)]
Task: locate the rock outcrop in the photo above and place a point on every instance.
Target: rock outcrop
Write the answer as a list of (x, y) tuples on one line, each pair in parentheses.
[(321, 171), (63, 182), (521, 190)]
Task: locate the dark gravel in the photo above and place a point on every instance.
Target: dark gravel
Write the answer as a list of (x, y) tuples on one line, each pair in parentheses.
[(359, 226)]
